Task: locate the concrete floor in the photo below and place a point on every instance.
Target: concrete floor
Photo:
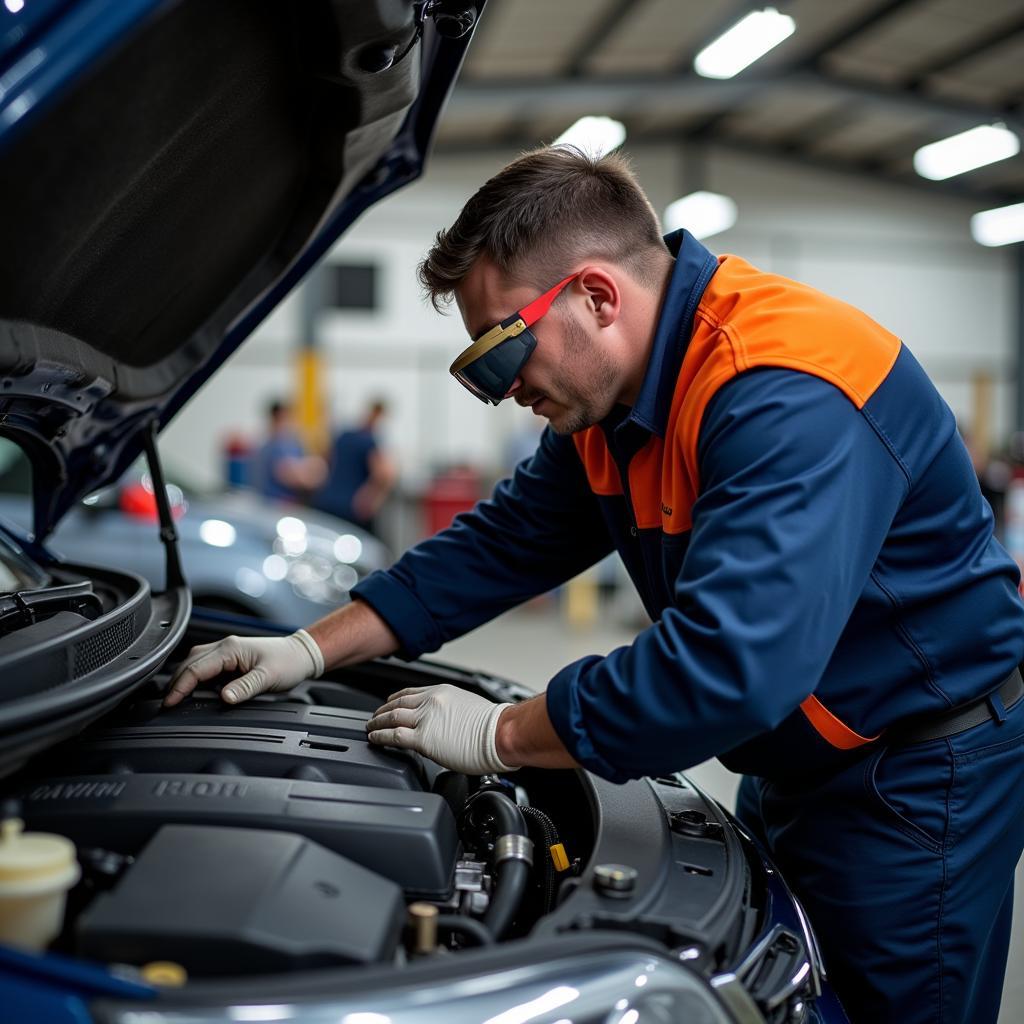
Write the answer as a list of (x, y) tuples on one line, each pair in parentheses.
[(531, 644)]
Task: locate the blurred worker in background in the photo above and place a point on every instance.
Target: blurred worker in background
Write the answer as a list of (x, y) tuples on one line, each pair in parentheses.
[(361, 474), (283, 470), (832, 614)]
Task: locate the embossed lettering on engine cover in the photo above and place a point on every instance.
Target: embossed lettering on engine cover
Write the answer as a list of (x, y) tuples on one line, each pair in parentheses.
[(183, 787), (76, 790)]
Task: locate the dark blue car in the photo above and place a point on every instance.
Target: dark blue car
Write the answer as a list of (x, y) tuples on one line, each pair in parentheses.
[(168, 172)]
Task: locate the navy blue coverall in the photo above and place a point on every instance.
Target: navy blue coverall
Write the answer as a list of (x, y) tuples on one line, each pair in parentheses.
[(793, 502)]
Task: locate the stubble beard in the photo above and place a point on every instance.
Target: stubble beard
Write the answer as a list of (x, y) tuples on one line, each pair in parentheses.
[(586, 384)]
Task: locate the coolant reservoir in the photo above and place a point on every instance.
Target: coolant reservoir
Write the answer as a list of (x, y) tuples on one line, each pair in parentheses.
[(36, 871)]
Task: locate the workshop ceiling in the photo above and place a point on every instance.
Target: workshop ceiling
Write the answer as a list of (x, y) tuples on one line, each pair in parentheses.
[(858, 87)]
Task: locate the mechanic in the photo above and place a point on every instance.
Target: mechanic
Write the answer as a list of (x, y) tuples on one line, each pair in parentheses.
[(832, 616)]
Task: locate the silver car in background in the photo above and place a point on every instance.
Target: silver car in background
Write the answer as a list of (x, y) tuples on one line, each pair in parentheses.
[(242, 554)]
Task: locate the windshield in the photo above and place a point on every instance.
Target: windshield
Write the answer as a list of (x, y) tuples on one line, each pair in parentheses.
[(15, 469), (16, 475), (18, 571)]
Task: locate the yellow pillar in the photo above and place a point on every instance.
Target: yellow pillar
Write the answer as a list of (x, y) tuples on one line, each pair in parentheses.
[(310, 414), (981, 415)]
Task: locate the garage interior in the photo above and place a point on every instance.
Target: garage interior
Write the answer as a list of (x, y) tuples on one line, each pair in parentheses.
[(815, 144), (811, 158)]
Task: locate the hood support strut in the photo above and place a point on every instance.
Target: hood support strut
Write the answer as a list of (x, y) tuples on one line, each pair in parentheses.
[(174, 577)]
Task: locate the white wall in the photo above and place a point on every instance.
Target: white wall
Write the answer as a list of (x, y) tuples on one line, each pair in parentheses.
[(904, 257)]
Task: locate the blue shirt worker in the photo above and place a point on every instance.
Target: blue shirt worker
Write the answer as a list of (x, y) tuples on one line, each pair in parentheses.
[(283, 471), (831, 614), (360, 475)]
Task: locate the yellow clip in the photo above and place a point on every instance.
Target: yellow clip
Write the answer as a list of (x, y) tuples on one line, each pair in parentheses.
[(559, 858), (164, 973)]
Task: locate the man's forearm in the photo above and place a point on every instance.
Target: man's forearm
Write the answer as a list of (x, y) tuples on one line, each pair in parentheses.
[(352, 634), (525, 737)]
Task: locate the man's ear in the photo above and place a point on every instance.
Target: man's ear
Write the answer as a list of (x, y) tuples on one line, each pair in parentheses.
[(603, 296)]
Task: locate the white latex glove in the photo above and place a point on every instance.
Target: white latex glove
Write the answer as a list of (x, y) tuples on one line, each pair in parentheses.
[(270, 664), (449, 725)]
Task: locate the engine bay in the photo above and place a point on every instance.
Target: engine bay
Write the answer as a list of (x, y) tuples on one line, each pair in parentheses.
[(272, 838)]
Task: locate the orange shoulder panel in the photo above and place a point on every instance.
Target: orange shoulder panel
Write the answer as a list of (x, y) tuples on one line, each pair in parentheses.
[(602, 473), (773, 321), (748, 318)]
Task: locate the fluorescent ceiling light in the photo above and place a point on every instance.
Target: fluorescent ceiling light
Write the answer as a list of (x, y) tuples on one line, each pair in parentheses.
[(749, 39), (702, 214), (1001, 226), (964, 152), (597, 136)]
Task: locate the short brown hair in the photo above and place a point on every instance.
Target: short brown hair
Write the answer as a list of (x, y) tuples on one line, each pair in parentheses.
[(543, 213)]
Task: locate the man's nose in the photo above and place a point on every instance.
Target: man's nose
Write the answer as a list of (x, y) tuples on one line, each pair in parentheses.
[(516, 385)]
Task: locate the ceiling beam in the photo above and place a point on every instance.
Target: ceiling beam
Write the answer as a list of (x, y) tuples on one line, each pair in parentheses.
[(707, 127), (1001, 33), (821, 126), (811, 61), (872, 168), (622, 94), (597, 37), (849, 30)]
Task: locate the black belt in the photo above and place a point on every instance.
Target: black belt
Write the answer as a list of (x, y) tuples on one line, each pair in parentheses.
[(956, 720)]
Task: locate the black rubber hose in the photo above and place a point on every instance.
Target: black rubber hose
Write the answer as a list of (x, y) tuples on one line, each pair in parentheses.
[(508, 818), (468, 926), (512, 875), (544, 835)]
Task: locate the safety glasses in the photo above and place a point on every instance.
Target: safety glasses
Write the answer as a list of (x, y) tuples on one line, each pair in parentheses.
[(489, 367)]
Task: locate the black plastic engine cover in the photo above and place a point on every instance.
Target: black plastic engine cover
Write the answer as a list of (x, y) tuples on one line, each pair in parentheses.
[(407, 837), (241, 750), (237, 901), (344, 723)]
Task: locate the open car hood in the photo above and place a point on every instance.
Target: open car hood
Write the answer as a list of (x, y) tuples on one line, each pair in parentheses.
[(168, 172)]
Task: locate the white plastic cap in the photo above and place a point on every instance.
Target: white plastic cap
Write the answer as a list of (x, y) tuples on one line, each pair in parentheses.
[(34, 862)]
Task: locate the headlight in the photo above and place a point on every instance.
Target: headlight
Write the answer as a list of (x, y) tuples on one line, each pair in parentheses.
[(317, 564), (320, 579), (348, 548), (217, 533), (606, 987)]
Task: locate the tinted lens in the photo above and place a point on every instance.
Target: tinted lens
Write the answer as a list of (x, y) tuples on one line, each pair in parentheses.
[(472, 388), (490, 376)]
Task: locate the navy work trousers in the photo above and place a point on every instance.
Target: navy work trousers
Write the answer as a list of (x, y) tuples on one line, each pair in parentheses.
[(905, 865)]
